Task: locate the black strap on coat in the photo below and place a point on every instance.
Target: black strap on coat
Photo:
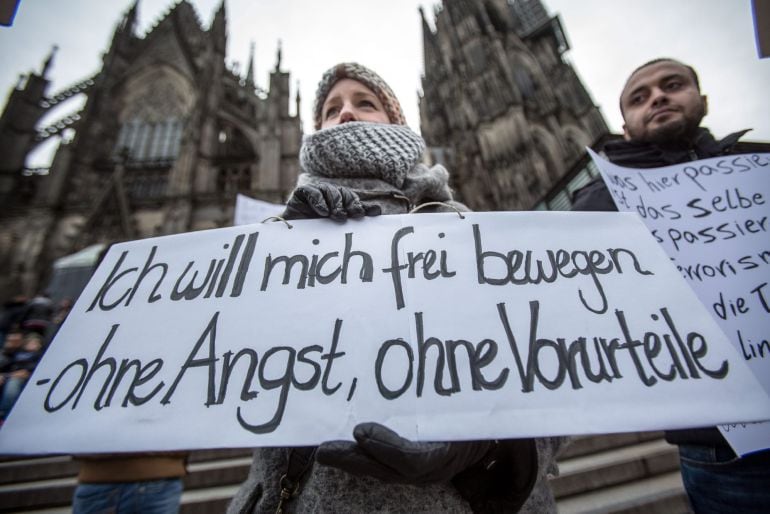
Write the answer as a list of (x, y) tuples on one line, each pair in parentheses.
[(300, 461), (501, 482)]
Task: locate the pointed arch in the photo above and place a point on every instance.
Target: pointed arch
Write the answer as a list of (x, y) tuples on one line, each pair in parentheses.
[(547, 146), (576, 139), (157, 91), (527, 73), (153, 106), (237, 159)]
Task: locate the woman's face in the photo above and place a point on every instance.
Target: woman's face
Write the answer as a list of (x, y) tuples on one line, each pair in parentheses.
[(349, 100)]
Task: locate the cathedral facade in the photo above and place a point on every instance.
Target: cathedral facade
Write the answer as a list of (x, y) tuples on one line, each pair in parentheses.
[(500, 105), (169, 134), (167, 137)]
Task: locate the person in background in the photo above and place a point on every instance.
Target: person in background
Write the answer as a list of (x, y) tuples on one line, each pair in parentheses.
[(15, 374), (146, 483), (12, 314), (12, 341), (364, 160), (37, 314), (663, 107)]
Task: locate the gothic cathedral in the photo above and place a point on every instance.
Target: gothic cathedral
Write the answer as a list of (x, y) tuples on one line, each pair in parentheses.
[(169, 134), (500, 106), (167, 137)]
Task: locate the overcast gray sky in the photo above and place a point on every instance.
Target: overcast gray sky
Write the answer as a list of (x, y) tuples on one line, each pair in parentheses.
[(609, 38)]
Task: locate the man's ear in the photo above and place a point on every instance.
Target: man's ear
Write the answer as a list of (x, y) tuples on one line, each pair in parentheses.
[(705, 101), (626, 135)]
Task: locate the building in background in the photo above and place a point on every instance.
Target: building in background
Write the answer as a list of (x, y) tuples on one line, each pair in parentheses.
[(167, 137), (500, 105)]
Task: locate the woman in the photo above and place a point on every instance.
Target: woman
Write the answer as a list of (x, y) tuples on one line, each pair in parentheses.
[(364, 160)]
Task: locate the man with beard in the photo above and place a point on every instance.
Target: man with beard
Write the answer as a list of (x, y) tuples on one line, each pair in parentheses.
[(662, 107)]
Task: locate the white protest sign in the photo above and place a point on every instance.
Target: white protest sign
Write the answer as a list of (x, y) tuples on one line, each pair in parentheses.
[(250, 210), (491, 326), (713, 219)]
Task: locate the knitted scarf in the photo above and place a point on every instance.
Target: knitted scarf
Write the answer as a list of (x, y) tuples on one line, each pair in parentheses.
[(380, 162)]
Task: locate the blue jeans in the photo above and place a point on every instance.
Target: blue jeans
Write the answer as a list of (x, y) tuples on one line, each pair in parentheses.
[(150, 497), (719, 482)]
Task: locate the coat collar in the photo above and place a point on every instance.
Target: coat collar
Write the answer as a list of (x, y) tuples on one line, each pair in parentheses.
[(642, 154)]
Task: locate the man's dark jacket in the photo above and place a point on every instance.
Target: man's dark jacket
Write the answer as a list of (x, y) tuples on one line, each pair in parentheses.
[(633, 154)]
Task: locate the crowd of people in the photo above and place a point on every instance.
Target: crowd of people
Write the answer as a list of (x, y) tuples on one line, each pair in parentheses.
[(27, 326), (363, 160)]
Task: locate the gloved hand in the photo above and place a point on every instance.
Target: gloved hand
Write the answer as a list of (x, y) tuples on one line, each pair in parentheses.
[(381, 453), (327, 201)]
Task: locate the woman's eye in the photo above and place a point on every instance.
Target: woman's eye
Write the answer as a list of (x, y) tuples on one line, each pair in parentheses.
[(366, 103), (331, 111)]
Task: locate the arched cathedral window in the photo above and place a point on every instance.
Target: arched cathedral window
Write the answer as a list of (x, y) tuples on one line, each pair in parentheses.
[(144, 141), (524, 81), (155, 105)]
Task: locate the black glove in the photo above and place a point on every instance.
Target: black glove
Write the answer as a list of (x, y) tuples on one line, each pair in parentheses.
[(381, 453), (327, 201), (503, 480)]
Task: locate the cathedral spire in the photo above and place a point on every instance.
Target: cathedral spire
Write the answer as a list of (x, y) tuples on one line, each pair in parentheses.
[(125, 28), (278, 57), (129, 21), (425, 27), (221, 12), (219, 28), (429, 52), (250, 69), (49, 60), (297, 99)]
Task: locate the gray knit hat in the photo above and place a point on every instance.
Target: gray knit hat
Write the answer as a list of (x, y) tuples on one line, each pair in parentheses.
[(362, 74)]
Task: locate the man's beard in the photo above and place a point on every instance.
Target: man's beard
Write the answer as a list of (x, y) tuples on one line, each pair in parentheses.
[(679, 132)]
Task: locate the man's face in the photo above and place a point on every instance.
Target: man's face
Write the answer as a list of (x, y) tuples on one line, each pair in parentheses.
[(13, 342), (32, 344), (661, 103)]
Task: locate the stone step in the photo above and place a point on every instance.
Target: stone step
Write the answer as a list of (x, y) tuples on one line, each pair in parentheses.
[(20, 469), (614, 466), (207, 501), (38, 494), (662, 494), (40, 468), (583, 445), (217, 473)]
